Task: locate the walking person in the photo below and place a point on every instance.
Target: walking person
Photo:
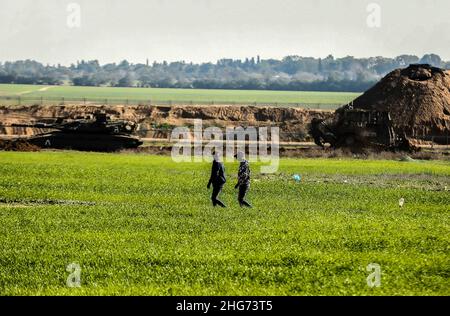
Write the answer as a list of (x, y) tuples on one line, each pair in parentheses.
[(243, 179), (217, 180)]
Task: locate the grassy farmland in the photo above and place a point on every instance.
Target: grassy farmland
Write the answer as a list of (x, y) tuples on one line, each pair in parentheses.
[(139, 224), (120, 95)]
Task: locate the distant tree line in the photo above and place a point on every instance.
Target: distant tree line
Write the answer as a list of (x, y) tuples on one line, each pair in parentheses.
[(290, 73)]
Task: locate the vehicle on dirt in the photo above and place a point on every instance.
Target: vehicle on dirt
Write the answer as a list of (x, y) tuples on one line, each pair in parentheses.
[(358, 129), (97, 133)]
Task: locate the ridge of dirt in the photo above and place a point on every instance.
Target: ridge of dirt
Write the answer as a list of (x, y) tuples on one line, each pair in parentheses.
[(17, 145), (292, 121)]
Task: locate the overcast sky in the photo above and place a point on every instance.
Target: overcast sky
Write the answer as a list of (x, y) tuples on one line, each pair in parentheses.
[(206, 30)]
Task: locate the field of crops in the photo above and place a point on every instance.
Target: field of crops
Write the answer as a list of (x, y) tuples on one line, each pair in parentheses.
[(140, 224), (133, 95)]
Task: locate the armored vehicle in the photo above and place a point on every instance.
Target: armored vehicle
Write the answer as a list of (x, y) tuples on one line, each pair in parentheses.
[(358, 128), (99, 133)]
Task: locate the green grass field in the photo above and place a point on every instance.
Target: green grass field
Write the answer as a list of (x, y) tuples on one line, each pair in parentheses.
[(149, 228), (120, 95)]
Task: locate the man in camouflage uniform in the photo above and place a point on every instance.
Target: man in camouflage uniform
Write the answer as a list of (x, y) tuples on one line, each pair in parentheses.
[(243, 179)]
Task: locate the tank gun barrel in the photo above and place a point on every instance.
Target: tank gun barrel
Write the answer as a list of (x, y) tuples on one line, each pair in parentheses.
[(35, 125), (82, 126)]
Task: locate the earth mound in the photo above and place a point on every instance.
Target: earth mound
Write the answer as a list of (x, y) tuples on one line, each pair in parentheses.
[(17, 145), (417, 98)]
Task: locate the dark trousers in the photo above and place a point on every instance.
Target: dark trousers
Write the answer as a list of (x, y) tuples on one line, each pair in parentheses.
[(243, 189), (217, 188)]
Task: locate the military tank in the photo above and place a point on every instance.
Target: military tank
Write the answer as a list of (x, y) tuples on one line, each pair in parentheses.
[(357, 129), (97, 133)]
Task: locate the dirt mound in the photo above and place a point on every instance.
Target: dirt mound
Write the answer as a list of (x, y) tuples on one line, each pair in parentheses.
[(17, 145), (248, 114), (417, 97)]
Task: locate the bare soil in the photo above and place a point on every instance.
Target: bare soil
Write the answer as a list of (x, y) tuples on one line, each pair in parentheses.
[(157, 121), (418, 99)]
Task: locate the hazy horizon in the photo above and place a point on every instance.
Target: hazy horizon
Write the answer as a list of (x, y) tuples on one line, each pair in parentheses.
[(207, 30), (103, 63)]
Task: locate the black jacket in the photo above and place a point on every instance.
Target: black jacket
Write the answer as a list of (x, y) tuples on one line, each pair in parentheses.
[(217, 174)]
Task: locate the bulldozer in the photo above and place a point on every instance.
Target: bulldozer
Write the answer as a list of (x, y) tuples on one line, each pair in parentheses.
[(357, 129), (97, 133)]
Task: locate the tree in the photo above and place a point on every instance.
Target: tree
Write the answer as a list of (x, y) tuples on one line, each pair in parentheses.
[(290, 73), (320, 67), (406, 60), (432, 59), (126, 81)]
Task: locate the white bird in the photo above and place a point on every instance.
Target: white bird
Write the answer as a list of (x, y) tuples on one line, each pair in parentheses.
[(401, 202)]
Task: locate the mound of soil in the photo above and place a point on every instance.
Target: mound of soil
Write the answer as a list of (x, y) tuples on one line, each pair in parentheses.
[(417, 97), (17, 145)]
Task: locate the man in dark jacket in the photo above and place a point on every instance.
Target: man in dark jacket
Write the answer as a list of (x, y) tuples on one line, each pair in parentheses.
[(243, 179), (217, 179)]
